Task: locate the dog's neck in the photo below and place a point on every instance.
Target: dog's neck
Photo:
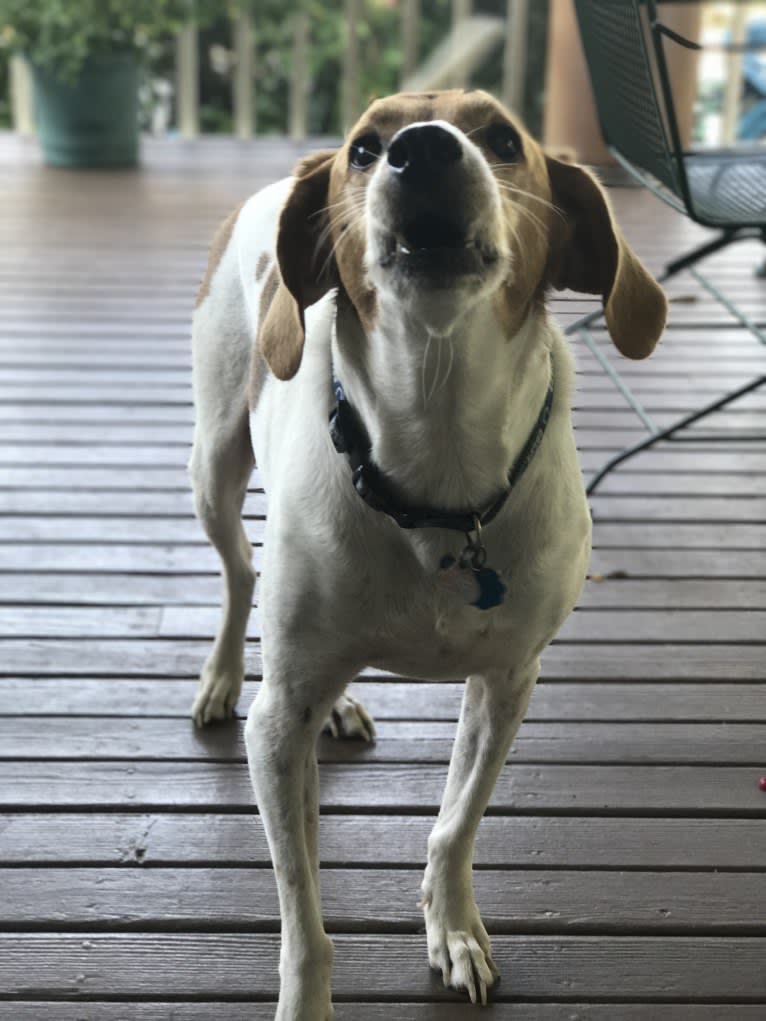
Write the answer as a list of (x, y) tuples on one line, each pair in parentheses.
[(446, 415)]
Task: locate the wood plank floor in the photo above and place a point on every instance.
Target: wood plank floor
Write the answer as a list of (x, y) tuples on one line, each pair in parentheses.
[(622, 866)]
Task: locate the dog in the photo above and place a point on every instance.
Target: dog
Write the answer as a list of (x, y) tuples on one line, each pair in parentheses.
[(374, 328)]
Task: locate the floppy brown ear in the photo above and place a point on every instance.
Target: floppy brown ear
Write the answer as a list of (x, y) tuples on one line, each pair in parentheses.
[(591, 255), (305, 273)]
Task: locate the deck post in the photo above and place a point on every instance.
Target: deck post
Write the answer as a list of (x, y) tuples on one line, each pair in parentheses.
[(22, 98), (410, 27), (461, 9), (244, 75), (515, 54), (187, 80), (299, 78), (350, 84)]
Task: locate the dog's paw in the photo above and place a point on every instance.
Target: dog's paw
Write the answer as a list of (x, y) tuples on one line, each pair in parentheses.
[(465, 965), (460, 950), (217, 694), (349, 719)]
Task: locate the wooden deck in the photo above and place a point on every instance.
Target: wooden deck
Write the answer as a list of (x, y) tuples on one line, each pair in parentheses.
[(622, 867)]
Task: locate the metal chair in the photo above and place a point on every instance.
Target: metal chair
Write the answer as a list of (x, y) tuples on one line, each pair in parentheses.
[(723, 189)]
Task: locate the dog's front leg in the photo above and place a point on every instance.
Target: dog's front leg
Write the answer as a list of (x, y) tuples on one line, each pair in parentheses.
[(281, 735), (493, 707)]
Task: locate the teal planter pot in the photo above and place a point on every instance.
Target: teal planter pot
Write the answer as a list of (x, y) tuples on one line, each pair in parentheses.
[(92, 122)]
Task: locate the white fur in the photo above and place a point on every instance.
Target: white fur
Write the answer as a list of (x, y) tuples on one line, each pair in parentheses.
[(449, 402)]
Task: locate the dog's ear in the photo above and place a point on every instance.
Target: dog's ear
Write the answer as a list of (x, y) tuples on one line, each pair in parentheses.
[(590, 254), (304, 264)]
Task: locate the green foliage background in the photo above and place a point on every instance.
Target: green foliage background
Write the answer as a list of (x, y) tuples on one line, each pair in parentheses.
[(62, 33), (380, 58)]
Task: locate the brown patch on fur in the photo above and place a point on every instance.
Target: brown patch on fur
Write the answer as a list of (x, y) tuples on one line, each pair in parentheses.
[(258, 364), (280, 337), (217, 248), (306, 270), (270, 285), (593, 256), (262, 265)]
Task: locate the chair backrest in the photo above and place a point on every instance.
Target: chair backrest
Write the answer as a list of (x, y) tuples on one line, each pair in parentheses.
[(633, 123)]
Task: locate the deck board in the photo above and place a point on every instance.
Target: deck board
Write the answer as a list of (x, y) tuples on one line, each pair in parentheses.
[(389, 698), (212, 839), (621, 865), (348, 786), (691, 969), (514, 901)]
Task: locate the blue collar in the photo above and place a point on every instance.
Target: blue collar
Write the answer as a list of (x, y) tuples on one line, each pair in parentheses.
[(350, 437)]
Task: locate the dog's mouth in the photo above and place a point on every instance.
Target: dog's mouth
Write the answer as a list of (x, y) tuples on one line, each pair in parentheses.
[(430, 244)]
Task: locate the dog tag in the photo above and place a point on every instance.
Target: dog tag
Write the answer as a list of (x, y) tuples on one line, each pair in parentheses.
[(491, 589)]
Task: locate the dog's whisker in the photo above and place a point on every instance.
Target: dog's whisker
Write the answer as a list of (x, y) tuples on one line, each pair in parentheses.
[(341, 240), (339, 244), (526, 195), (423, 369), (514, 233), (451, 362), (435, 378), (504, 186), (474, 130), (356, 207), (354, 210), (514, 190), (345, 201), (322, 237), (540, 225)]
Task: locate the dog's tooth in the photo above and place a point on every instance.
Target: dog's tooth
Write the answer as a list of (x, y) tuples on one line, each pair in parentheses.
[(404, 249)]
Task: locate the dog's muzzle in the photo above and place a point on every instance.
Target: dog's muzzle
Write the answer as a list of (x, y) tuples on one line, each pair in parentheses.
[(428, 181)]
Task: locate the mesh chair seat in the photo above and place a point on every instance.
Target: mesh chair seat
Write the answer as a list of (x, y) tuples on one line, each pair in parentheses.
[(722, 188), (728, 188)]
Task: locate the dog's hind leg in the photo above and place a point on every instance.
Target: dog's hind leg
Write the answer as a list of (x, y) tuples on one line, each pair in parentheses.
[(220, 473), (458, 945), (220, 467)]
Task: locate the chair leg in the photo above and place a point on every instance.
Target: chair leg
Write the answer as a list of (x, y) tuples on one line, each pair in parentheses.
[(665, 434), (581, 327)]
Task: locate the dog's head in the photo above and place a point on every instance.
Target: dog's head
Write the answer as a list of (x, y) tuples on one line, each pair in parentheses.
[(438, 201)]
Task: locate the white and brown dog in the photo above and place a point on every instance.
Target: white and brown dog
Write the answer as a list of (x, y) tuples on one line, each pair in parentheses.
[(439, 527)]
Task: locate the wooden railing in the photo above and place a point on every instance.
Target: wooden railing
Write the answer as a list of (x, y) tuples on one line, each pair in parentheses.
[(466, 44)]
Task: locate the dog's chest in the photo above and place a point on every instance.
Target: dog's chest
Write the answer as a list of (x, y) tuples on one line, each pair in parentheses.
[(442, 639), (414, 624)]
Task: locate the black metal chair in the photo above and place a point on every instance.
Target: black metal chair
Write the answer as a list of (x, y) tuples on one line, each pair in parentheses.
[(723, 189)]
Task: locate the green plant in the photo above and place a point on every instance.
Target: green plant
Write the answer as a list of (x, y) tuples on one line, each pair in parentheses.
[(60, 35)]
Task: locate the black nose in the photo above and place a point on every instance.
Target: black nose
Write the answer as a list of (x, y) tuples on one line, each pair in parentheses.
[(422, 153)]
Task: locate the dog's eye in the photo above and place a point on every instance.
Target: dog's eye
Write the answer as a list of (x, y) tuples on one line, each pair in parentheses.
[(504, 141), (364, 151)]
